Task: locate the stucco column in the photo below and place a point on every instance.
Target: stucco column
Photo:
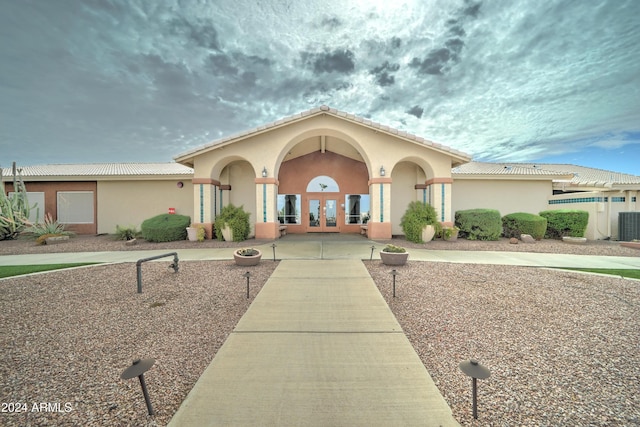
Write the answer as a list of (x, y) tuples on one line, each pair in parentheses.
[(204, 203), (379, 225), (266, 223), (439, 190)]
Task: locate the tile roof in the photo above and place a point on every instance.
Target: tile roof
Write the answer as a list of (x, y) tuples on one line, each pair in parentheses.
[(580, 175), (102, 170), (334, 112)]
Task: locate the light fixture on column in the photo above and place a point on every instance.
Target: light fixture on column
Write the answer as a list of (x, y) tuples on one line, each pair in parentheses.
[(382, 171), (264, 172)]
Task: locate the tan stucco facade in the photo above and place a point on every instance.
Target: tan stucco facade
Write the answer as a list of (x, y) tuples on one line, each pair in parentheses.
[(128, 203), (255, 168)]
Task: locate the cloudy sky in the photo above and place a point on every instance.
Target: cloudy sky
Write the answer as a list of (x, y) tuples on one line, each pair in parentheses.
[(145, 80)]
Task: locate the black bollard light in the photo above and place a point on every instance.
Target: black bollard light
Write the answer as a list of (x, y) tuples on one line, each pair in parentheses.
[(273, 246), (373, 248), (247, 275), (394, 273), (476, 371), (137, 369)]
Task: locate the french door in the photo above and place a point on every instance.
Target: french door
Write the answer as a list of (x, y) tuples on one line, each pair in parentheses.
[(323, 214)]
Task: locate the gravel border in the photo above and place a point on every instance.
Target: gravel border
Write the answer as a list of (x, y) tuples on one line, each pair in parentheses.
[(562, 346), (68, 335)]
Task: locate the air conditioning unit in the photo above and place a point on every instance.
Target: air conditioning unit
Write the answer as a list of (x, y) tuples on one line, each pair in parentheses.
[(628, 226)]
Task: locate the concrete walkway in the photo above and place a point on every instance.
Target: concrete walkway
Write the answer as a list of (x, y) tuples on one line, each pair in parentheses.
[(318, 347), (335, 247)]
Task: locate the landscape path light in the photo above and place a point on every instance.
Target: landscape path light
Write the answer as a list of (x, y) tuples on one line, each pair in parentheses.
[(273, 246), (247, 275), (137, 369), (394, 273), (477, 372)]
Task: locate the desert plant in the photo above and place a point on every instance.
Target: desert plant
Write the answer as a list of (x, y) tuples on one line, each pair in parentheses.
[(165, 228), (479, 224), (565, 222), (127, 233), (14, 209), (394, 249), (201, 234), (417, 216), (47, 228), (237, 219), (518, 223)]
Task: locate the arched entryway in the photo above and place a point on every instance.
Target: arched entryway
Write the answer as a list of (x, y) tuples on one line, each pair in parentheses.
[(323, 192)]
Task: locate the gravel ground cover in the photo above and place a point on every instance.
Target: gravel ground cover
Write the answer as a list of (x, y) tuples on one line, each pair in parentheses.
[(68, 335), (562, 346)]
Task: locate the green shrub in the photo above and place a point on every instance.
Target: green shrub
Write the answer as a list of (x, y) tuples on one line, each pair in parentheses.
[(479, 224), (237, 219), (518, 223), (165, 228), (416, 217), (394, 249), (565, 222)]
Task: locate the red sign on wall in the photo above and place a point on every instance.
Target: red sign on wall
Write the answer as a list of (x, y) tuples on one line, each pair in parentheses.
[(172, 210)]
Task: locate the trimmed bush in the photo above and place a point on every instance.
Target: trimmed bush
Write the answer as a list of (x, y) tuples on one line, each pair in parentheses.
[(565, 222), (518, 223), (417, 216), (165, 228), (237, 219), (479, 224)]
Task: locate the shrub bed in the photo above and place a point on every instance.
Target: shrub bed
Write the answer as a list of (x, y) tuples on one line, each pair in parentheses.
[(515, 224), (565, 222), (165, 228), (479, 224)]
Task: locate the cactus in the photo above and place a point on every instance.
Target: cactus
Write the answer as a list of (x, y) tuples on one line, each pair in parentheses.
[(14, 209)]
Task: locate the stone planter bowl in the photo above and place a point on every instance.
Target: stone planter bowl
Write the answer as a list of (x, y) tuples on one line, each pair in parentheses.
[(394, 258), (247, 261)]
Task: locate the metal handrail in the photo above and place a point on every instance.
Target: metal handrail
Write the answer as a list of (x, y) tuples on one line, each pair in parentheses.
[(140, 261)]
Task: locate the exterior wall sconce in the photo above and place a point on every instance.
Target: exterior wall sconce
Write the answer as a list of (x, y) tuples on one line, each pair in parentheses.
[(264, 172), (382, 171)]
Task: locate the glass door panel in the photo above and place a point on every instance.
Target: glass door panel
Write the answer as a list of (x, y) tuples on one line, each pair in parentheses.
[(330, 213), (314, 214)]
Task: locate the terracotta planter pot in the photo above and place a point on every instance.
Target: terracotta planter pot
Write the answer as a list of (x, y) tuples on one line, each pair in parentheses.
[(247, 261), (394, 258)]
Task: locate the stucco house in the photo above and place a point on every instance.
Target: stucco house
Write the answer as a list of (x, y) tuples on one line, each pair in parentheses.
[(322, 170)]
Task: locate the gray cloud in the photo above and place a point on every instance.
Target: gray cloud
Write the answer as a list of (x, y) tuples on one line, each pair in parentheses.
[(143, 80), (340, 61)]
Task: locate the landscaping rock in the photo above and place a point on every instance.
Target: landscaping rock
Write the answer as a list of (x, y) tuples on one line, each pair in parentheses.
[(131, 242), (575, 240), (56, 239), (514, 241), (526, 238)]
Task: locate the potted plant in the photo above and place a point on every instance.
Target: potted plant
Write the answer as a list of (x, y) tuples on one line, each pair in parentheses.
[(394, 255), (247, 256), (232, 224), (450, 233), (420, 222)]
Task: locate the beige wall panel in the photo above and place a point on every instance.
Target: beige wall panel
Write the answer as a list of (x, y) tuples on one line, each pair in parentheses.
[(505, 196), (128, 203)]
